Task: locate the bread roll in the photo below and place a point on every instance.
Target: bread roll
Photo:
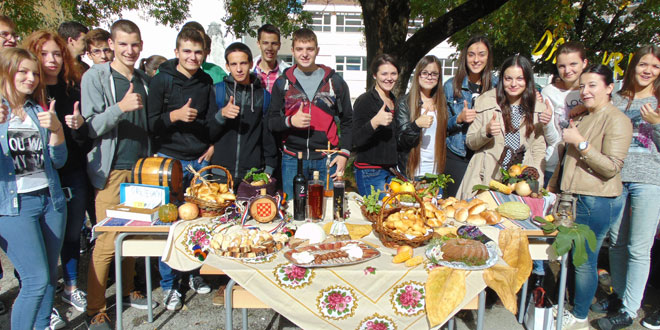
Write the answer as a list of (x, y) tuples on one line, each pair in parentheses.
[(478, 208), (476, 220), (475, 201), (491, 217), (462, 214), (450, 211), (447, 203), (461, 204)]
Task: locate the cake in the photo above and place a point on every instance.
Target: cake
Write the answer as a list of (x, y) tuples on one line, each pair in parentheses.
[(468, 251)]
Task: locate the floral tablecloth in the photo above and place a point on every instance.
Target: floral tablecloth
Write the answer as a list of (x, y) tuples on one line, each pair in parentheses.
[(376, 294)]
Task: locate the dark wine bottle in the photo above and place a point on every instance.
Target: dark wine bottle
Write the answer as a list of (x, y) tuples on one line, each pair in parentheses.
[(299, 191)]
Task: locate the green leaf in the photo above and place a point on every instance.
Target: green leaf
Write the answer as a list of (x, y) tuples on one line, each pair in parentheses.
[(580, 253), (562, 244), (590, 236), (477, 187)]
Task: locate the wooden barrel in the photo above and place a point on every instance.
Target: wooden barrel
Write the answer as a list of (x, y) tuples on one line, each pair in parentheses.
[(160, 171)]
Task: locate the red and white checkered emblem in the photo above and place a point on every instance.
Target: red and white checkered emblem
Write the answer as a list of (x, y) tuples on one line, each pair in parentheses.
[(264, 209)]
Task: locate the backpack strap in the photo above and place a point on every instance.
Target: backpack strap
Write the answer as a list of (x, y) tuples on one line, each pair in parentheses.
[(168, 90), (220, 94), (266, 102)]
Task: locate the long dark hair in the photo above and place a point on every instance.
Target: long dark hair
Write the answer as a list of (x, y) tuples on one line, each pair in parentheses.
[(414, 103), (628, 88), (462, 72), (528, 97)]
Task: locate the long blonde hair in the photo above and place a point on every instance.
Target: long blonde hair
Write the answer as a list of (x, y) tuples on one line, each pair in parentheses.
[(10, 60), (414, 103)]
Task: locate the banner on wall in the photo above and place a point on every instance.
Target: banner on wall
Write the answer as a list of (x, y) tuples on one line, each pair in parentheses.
[(548, 42)]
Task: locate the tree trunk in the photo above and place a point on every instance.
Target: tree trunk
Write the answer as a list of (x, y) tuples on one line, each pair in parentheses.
[(386, 28)]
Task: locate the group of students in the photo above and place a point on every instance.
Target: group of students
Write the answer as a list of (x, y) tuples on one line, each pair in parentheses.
[(69, 131), (584, 138), (600, 145)]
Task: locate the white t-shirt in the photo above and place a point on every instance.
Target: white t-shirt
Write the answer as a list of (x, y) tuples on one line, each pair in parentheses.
[(562, 102), (26, 147), (427, 149)]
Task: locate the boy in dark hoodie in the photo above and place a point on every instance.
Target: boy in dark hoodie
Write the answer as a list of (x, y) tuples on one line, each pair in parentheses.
[(180, 99), (309, 101), (244, 138)]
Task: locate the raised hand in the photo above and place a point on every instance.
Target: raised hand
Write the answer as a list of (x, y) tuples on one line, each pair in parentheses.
[(493, 127), (546, 116), (467, 115), (340, 161), (4, 113), (650, 115), (48, 119), (571, 135), (185, 113), (75, 120), (301, 119), (425, 120), (382, 118), (131, 102), (231, 110)]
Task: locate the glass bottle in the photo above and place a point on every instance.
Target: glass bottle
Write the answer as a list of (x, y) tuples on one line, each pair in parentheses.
[(299, 191), (315, 192)]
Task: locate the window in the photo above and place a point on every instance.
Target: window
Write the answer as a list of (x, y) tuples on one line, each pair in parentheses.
[(449, 68), (350, 63), (321, 22), (288, 59), (349, 22)]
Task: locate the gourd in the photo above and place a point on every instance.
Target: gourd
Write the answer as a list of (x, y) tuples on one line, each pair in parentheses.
[(168, 213), (514, 210), (500, 187), (523, 189)]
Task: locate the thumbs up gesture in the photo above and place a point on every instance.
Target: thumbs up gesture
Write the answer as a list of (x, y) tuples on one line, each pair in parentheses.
[(48, 119), (75, 120), (4, 113), (185, 113), (231, 110), (546, 116), (382, 118), (425, 120), (301, 119), (467, 115), (493, 127), (571, 135), (132, 101)]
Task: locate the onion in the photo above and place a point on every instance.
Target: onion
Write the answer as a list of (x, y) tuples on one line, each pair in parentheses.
[(188, 211)]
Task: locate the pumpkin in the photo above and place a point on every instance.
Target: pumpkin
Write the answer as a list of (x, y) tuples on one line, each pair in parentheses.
[(188, 211), (168, 213)]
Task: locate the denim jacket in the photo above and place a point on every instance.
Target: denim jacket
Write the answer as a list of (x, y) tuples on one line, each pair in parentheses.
[(455, 131), (53, 159)]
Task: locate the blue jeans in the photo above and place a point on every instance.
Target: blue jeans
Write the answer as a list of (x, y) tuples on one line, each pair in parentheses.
[(368, 177), (32, 240), (77, 182), (631, 241), (600, 214), (170, 278), (187, 175), (290, 169)]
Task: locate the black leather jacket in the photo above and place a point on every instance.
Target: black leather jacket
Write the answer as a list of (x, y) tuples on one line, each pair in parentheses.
[(408, 134)]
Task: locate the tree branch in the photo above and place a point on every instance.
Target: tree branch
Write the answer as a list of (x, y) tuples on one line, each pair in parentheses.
[(610, 27), (582, 16)]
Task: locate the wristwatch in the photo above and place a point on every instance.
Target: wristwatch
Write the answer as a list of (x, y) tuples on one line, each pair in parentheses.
[(582, 146)]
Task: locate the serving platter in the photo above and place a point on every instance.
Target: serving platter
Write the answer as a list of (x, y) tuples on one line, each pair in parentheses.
[(330, 254), (434, 253)]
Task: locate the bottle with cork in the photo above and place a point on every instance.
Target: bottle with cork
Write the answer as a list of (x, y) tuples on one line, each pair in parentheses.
[(315, 199)]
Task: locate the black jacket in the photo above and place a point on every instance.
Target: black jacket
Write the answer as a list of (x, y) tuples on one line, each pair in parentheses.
[(408, 134), (245, 141), (330, 105), (169, 90), (374, 147)]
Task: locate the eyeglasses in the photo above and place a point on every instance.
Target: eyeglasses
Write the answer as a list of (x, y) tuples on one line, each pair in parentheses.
[(7, 35), (99, 51), (429, 75)]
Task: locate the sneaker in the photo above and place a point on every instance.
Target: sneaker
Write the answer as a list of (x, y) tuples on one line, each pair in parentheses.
[(137, 300), (652, 321), (172, 300), (99, 321), (570, 322), (197, 283), (77, 299), (617, 321), (59, 287), (56, 321), (609, 305)]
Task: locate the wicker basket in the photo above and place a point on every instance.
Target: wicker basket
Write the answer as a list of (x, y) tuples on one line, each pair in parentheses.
[(208, 208), (373, 217), (392, 239)]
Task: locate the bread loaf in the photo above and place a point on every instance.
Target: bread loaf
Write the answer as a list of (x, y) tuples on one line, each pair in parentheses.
[(476, 220), (478, 208), (462, 214)]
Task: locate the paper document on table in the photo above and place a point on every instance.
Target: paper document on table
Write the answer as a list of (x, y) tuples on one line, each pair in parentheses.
[(143, 196)]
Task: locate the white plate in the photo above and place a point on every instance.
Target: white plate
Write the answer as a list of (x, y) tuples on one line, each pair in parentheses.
[(434, 251)]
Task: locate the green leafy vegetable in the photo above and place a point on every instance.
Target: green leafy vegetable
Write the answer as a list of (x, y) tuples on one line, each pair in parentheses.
[(577, 237), (256, 175), (435, 182), (478, 187), (371, 201)]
